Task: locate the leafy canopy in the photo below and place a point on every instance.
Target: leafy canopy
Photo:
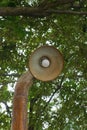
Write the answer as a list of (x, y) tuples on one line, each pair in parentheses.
[(60, 104)]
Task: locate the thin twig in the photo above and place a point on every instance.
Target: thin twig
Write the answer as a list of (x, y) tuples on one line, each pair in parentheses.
[(13, 74), (7, 108), (58, 87)]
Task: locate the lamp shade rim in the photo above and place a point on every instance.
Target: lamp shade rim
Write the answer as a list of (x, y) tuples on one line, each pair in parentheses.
[(46, 73)]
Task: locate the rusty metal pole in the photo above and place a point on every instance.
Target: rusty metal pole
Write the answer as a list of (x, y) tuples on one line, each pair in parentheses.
[(19, 114), (45, 64)]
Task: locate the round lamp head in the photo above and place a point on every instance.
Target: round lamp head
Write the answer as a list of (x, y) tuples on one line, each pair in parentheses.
[(46, 63)]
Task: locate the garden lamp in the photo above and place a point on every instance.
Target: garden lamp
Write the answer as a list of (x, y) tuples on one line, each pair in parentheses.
[(45, 64)]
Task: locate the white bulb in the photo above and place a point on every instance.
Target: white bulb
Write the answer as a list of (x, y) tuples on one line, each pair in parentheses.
[(45, 62)]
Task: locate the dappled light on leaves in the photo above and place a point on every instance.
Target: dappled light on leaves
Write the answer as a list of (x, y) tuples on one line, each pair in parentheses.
[(60, 104)]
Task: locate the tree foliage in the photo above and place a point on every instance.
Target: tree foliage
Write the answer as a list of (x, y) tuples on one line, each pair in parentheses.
[(60, 104)]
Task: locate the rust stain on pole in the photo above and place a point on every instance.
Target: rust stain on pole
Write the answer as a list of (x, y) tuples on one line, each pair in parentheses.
[(45, 64), (19, 115)]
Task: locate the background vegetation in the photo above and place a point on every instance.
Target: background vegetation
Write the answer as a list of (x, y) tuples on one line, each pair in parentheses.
[(60, 104)]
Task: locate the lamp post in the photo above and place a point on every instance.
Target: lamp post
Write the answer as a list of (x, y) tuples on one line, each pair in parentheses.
[(45, 64)]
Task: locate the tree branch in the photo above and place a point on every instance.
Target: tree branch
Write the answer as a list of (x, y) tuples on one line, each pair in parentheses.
[(24, 11), (66, 12), (58, 88), (6, 74), (35, 12), (7, 108)]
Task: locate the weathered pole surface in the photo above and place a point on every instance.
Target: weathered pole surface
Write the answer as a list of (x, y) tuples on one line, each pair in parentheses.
[(45, 64), (19, 114)]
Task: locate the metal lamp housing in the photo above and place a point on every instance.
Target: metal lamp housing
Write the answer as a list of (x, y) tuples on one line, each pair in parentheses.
[(46, 63)]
